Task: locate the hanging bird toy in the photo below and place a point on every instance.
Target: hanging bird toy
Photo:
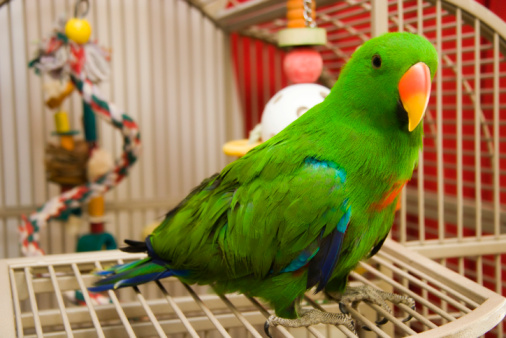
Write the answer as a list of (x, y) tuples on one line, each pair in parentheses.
[(74, 62)]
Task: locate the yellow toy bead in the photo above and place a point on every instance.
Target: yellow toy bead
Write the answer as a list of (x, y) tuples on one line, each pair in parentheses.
[(62, 122), (78, 30)]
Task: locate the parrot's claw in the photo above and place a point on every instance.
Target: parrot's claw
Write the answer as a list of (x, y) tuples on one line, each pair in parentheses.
[(311, 317), (266, 328), (343, 308), (353, 295), (413, 307), (379, 322)]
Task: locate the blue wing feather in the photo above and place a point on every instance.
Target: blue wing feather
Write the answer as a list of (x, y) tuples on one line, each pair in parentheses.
[(323, 261), (321, 266), (301, 260)]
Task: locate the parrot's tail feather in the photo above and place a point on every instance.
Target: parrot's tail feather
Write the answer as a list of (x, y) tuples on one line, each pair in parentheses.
[(103, 273), (128, 266), (100, 288), (133, 273), (135, 246), (144, 278), (119, 268)]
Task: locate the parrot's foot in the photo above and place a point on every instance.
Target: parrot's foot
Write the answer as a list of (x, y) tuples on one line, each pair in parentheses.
[(353, 295), (311, 317)]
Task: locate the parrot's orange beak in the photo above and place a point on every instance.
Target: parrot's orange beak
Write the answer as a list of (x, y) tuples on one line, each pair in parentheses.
[(414, 91)]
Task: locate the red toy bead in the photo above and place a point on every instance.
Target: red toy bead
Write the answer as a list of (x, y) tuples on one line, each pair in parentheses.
[(303, 65)]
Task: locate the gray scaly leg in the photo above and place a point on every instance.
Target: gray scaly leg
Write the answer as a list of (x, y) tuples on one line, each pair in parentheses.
[(367, 293), (311, 317)]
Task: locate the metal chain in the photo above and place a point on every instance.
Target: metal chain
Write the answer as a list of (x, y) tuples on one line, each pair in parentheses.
[(79, 11), (308, 11)]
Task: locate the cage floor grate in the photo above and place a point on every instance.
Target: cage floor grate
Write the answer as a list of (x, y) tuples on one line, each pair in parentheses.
[(38, 304)]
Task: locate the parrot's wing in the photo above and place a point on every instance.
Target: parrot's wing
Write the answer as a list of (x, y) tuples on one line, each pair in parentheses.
[(226, 229), (321, 266), (283, 224)]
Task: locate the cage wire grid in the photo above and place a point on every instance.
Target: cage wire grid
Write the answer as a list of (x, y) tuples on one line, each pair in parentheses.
[(471, 309)]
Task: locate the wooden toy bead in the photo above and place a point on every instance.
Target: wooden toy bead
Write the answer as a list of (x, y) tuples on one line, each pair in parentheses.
[(295, 13), (62, 126), (299, 31), (55, 102), (78, 30), (67, 142), (303, 65), (296, 23), (96, 206), (292, 4), (62, 122), (302, 36)]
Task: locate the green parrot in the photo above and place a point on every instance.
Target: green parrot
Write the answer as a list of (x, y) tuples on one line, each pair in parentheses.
[(303, 208)]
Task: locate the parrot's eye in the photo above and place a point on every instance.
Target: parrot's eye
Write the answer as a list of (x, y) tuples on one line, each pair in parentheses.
[(376, 61)]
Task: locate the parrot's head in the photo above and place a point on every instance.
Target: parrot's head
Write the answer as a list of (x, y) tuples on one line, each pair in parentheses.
[(387, 81)]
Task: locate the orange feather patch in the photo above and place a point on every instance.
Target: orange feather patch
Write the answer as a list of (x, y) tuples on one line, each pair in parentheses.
[(390, 197)]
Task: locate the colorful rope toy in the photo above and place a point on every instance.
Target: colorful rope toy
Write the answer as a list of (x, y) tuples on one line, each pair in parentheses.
[(69, 57)]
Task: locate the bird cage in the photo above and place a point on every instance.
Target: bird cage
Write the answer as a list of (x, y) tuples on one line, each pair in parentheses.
[(197, 74)]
